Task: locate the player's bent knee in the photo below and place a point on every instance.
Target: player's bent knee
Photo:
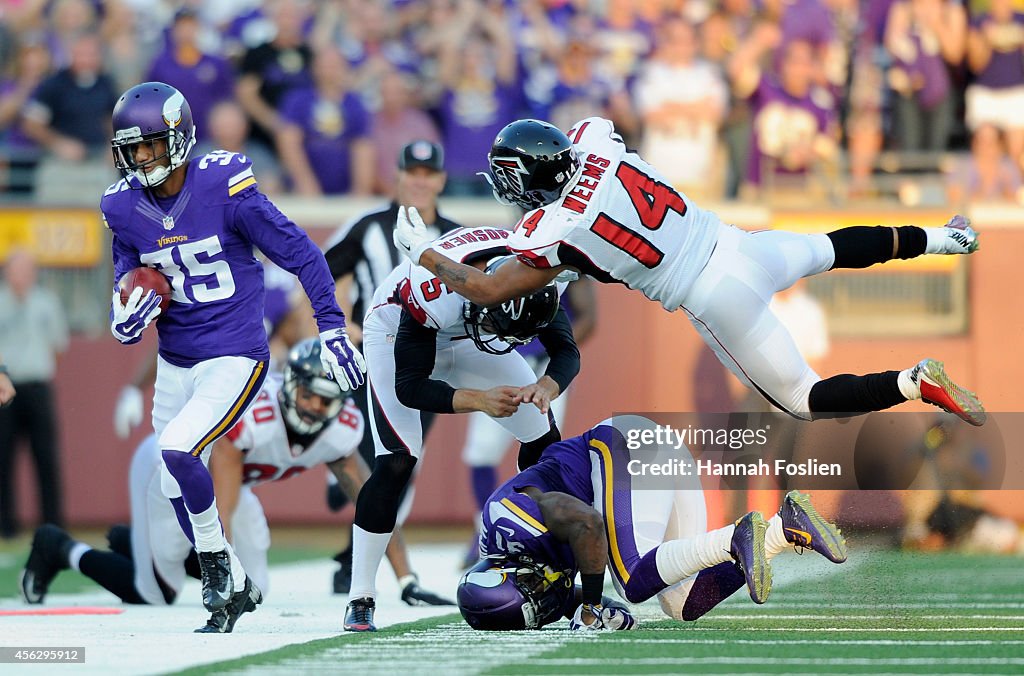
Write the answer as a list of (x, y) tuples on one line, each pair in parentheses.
[(529, 451)]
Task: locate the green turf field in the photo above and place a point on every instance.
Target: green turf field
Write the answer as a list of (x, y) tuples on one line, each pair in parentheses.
[(895, 613)]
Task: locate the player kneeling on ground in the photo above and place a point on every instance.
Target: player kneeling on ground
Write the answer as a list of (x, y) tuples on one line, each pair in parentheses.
[(148, 562), (579, 510)]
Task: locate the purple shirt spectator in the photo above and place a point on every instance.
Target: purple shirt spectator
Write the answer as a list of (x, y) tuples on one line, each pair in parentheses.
[(329, 127), (783, 122), (807, 20), (1005, 67), (204, 83), (470, 118)]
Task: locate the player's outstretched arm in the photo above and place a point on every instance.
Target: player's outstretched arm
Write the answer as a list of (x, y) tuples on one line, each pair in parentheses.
[(226, 468), (512, 280)]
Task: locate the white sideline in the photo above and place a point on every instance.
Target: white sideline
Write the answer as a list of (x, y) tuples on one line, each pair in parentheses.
[(148, 640)]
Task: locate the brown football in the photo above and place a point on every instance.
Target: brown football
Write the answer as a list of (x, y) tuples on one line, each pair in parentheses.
[(148, 279)]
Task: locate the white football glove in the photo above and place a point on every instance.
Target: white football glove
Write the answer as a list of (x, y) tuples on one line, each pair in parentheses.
[(619, 617), (134, 316), (341, 359), (577, 623), (566, 276), (412, 236), (128, 411)]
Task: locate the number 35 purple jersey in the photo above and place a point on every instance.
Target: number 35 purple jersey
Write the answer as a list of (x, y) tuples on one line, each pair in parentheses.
[(203, 240)]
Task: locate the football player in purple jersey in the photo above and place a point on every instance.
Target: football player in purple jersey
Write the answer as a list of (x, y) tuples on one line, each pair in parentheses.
[(586, 505), (199, 222)]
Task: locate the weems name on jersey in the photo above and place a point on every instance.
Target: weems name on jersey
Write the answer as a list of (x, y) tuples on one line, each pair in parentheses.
[(578, 198)]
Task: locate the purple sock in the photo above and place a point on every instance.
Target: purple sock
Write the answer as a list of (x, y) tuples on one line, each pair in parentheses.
[(712, 586), (644, 579), (485, 480), (183, 520), (193, 479)]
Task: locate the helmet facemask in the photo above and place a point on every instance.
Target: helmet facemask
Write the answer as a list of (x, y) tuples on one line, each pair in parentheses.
[(304, 376), (503, 327), (167, 120)]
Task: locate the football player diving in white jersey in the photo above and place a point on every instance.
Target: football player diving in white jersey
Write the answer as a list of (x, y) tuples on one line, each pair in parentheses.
[(427, 349), (302, 423), (597, 208)]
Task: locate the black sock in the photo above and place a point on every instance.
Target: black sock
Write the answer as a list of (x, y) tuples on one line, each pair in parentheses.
[(847, 394), (113, 572), (861, 246), (381, 496)]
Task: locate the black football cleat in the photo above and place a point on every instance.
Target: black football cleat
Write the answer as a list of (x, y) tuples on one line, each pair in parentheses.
[(359, 615), (343, 576), (49, 556), (245, 601), (217, 582), (414, 595)]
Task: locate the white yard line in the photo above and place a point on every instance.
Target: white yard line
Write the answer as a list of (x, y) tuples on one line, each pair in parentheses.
[(420, 651), (147, 639)]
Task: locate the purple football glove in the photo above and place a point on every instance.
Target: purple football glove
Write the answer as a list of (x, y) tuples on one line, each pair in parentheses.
[(341, 359), (134, 316)]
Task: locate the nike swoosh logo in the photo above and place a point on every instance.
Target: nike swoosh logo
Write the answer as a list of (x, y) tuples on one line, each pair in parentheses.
[(801, 533)]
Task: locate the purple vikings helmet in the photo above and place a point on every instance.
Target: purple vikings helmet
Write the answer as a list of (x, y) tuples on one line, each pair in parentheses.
[(502, 595), (147, 113)]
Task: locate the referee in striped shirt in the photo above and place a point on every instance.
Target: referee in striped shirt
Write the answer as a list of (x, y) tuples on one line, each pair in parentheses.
[(361, 254)]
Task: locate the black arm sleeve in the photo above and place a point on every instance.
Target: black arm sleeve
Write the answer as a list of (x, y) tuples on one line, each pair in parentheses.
[(560, 345), (343, 256), (415, 347)]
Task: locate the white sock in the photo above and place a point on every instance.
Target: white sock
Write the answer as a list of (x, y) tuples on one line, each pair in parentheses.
[(78, 550), (908, 388), (775, 538), (367, 551), (679, 559), (936, 242), (237, 571), (207, 530)]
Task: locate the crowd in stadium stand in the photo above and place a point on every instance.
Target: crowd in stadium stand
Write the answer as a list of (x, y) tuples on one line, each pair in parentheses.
[(730, 98)]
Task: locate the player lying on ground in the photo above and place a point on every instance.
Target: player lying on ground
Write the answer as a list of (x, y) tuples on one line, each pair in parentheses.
[(429, 350), (199, 223), (309, 415), (596, 208), (579, 510)]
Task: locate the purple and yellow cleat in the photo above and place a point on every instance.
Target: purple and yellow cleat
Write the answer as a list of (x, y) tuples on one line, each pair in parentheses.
[(805, 528), (748, 551)]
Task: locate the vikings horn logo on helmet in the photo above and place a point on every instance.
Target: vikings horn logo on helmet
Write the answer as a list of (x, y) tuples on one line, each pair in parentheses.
[(172, 109)]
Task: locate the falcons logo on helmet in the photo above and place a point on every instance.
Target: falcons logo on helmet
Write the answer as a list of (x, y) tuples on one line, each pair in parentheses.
[(511, 172)]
